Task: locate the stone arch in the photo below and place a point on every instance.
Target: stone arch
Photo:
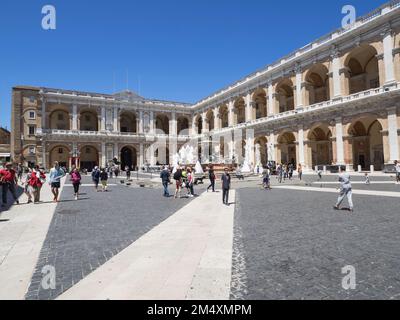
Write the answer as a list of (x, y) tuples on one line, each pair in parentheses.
[(199, 124), (183, 125), (88, 120), (224, 116), (317, 84), (129, 157), (362, 68), (210, 120), (287, 152), (285, 95), (128, 122), (319, 147), (260, 104), (59, 119), (261, 151), (366, 142), (240, 111), (89, 157), (61, 154), (162, 123)]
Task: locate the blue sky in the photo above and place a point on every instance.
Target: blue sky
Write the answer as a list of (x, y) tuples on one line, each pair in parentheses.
[(180, 50)]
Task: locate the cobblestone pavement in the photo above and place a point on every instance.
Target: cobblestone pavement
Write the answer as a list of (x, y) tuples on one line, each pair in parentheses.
[(293, 245), (85, 234)]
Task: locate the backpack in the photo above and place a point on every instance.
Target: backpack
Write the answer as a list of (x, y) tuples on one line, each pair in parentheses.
[(177, 175)]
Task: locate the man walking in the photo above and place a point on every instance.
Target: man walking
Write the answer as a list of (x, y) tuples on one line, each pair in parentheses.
[(56, 174), (165, 178), (345, 190), (226, 186), (211, 176), (8, 180), (96, 178)]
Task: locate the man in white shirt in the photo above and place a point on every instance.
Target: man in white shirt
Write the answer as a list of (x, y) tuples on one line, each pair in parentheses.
[(345, 190)]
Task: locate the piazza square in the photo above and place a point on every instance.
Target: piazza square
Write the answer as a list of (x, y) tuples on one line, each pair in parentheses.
[(115, 196)]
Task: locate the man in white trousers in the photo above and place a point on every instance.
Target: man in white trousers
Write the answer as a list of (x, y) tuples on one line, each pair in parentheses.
[(345, 190)]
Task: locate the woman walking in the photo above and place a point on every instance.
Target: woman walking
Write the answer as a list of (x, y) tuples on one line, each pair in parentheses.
[(190, 182), (76, 181), (178, 182), (42, 179)]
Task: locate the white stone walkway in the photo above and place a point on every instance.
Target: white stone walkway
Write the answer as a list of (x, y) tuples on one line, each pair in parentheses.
[(188, 256), (21, 239), (335, 190)]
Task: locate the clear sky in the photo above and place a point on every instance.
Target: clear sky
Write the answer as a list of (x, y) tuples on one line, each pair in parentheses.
[(180, 50)]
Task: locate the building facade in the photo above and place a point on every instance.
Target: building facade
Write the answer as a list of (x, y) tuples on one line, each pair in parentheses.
[(5, 145), (334, 101)]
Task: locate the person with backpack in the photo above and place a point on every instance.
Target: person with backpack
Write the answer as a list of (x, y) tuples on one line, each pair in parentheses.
[(34, 185), (96, 177), (104, 179), (76, 181), (42, 179), (212, 177), (178, 182), (165, 178)]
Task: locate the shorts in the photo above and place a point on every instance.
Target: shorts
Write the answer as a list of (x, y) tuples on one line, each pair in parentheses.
[(56, 185), (178, 184)]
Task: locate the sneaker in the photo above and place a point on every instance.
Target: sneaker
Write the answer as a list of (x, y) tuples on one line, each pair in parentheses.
[(336, 208), (17, 202), (76, 198)]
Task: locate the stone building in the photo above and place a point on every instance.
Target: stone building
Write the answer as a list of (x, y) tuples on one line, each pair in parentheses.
[(334, 101), (5, 139)]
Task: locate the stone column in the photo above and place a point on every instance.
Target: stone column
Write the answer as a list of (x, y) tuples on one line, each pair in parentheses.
[(339, 142), (301, 146), (152, 126), (388, 55), (231, 110), (74, 117), (141, 155), (172, 125), (299, 81), (217, 120), (194, 126), (271, 148), (205, 125), (103, 154), (249, 107), (115, 119), (393, 135), (116, 151), (43, 123), (337, 86), (103, 119), (141, 128), (271, 100)]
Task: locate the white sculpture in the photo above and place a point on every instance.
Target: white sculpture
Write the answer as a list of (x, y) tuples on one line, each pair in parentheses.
[(198, 168)]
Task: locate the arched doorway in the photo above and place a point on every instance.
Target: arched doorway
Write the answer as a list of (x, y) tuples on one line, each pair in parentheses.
[(320, 146), (362, 69), (317, 84), (183, 126), (128, 158), (240, 111), (89, 158), (224, 115), (162, 123), (89, 121), (260, 100), (61, 154), (285, 96), (128, 122), (367, 142), (261, 151), (287, 148)]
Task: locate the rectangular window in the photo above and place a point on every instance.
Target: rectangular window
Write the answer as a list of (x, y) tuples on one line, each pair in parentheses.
[(31, 130), (31, 99), (32, 115), (32, 150)]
